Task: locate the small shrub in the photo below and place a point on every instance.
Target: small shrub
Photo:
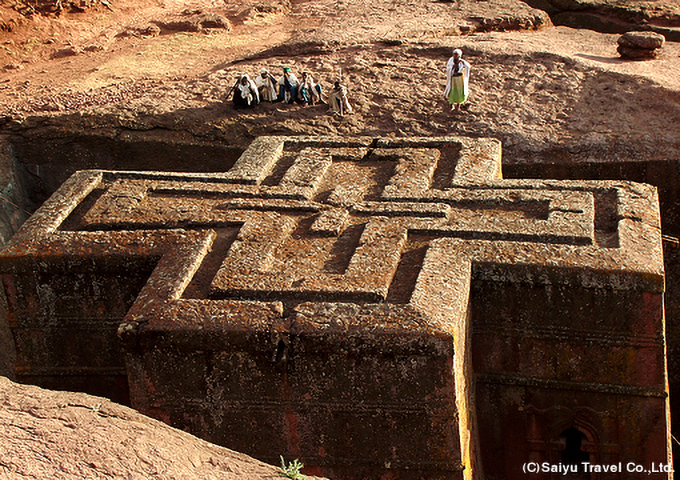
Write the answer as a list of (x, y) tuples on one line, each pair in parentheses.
[(292, 470)]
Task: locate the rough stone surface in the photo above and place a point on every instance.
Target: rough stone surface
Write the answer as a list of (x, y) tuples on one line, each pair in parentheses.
[(507, 22), (341, 299), (146, 31), (68, 435), (65, 52), (194, 22), (637, 53), (648, 40), (611, 16), (640, 45)]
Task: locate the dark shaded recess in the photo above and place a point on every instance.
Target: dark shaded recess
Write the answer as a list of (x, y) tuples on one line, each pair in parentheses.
[(605, 18), (74, 221), (199, 287), (381, 176), (446, 167), (279, 170), (290, 298), (664, 175), (410, 264), (48, 162), (343, 249), (572, 453), (86, 292)]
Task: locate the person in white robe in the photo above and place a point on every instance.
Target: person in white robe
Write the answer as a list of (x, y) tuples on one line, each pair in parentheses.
[(310, 92), (457, 80), (288, 86), (338, 99), (245, 93), (267, 86)]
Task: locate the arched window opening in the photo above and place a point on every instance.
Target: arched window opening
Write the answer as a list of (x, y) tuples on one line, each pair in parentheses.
[(573, 455)]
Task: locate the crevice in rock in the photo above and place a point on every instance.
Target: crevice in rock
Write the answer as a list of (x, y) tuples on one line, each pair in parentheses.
[(607, 17)]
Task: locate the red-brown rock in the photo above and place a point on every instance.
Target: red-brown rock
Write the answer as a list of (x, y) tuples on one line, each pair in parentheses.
[(47, 434), (645, 40), (376, 307)]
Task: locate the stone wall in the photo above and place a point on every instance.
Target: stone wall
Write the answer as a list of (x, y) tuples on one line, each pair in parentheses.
[(13, 212), (665, 176)]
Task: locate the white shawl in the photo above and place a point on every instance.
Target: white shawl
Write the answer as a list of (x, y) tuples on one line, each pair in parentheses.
[(248, 89), (268, 84), (462, 65)]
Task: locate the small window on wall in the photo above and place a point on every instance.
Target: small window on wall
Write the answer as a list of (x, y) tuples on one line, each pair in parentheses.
[(573, 454)]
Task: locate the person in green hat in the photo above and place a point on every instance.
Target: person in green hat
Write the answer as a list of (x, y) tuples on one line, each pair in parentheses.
[(288, 86)]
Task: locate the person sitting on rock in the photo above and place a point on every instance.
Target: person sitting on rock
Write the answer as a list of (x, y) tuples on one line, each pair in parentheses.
[(310, 92), (267, 86), (288, 86), (338, 99), (245, 93)]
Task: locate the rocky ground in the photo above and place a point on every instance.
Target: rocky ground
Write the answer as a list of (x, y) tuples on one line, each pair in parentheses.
[(72, 435), (547, 92)]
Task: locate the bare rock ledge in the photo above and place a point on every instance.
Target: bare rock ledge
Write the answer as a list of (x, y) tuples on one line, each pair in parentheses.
[(48, 434)]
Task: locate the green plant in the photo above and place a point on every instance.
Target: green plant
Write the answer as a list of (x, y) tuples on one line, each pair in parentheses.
[(292, 470)]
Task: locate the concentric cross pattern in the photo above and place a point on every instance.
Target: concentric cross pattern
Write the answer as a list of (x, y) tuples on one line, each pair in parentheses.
[(372, 306)]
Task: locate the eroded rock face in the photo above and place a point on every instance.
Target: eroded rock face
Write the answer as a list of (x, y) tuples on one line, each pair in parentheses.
[(637, 53), (191, 21), (47, 434), (608, 16), (503, 23), (146, 31)]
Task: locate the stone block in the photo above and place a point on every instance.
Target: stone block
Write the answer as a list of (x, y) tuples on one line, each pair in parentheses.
[(646, 40), (378, 308)]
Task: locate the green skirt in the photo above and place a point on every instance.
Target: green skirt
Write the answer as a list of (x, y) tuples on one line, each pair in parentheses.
[(457, 93)]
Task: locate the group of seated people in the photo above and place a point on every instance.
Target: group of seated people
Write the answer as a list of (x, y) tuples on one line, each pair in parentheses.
[(288, 89)]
